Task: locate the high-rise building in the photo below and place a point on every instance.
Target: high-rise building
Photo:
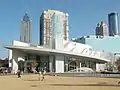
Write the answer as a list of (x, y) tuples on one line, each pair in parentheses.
[(98, 32), (57, 31), (26, 32), (102, 29), (113, 24), (46, 26)]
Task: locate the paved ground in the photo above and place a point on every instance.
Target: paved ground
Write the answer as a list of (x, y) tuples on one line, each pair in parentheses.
[(30, 82)]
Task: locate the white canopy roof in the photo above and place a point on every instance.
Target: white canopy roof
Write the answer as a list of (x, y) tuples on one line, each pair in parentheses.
[(47, 51)]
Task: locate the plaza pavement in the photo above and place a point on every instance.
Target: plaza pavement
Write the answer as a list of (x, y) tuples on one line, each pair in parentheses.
[(30, 82)]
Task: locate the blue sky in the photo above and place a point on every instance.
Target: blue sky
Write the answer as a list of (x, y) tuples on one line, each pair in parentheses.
[(83, 16)]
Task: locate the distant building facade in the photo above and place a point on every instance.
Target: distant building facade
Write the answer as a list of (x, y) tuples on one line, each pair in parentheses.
[(4, 62), (113, 24), (46, 26), (102, 29), (26, 30), (101, 43)]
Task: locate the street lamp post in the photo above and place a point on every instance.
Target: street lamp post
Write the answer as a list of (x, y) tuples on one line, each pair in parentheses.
[(113, 63)]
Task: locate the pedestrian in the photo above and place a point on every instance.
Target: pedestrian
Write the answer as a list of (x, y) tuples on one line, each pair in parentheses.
[(6, 71), (19, 74), (42, 74), (39, 72)]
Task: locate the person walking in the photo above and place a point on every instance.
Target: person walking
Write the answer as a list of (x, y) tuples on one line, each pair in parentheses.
[(19, 74), (41, 73)]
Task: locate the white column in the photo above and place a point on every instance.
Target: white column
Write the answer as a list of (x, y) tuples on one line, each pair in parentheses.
[(77, 64), (59, 61), (10, 57), (87, 63), (51, 67), (66, 67), (66, 63), (80, 64), (97, 67), (25, 67), (14, 62)]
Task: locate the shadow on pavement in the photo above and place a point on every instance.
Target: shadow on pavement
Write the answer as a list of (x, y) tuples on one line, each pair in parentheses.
[(33, 85), (102, 84), (31, 80)]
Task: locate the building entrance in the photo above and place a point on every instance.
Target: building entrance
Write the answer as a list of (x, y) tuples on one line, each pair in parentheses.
[(33, 62)]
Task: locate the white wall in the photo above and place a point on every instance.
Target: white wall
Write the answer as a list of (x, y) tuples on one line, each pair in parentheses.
[(10, 53), (100, 67), (59, 64), (85, 49), (19, 43), (16, 56), (40, 47), (76, 47)]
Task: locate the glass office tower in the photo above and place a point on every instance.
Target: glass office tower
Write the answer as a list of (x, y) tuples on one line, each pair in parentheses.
[(113, 24)]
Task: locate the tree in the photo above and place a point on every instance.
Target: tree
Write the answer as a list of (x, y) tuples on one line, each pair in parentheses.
[(118, 64), (111, 66)]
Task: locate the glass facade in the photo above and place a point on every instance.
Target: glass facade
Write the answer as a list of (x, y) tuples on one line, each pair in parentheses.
[(32, 62), (113, 24), (57, 31)]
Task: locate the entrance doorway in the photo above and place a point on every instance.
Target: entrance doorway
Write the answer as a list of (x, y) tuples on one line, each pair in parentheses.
[(72, 65)]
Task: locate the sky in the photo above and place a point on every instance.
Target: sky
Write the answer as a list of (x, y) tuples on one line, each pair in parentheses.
[(83, 17)]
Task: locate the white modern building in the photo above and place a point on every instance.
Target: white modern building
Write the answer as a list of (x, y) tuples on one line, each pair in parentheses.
[(74, 55), (59, 56)]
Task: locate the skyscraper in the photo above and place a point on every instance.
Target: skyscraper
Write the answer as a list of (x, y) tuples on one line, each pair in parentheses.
[(113, 24), (102, 29), (57, 31), (26, 32), (98, 31), (46, 26)]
